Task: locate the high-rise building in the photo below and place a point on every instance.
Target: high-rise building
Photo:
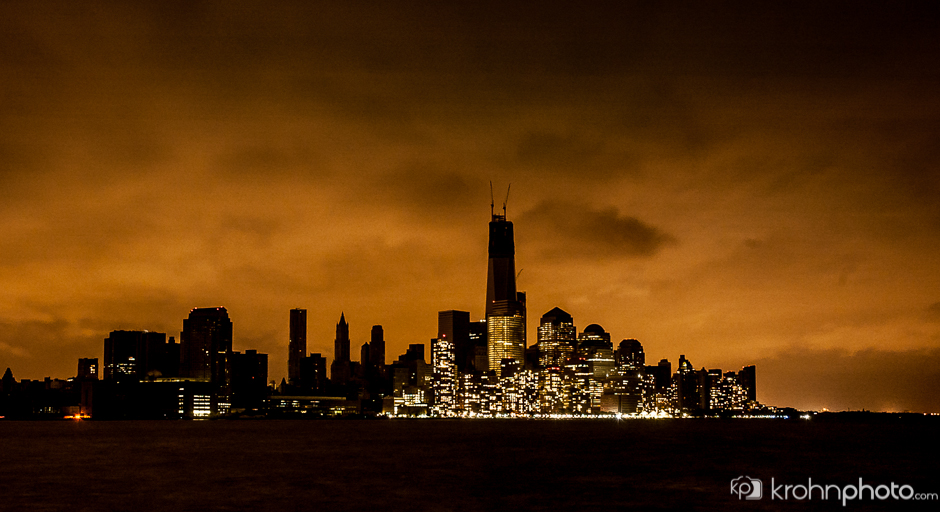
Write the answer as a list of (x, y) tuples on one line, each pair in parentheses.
[(595, 347), (630, 354), (444, 376), (709, 389), (313, 373), (505, 313), (687, 386), (747, 378), (376, 347), (557, 338), (478, 345), (365, 362), (249, 379), (171, 361), (297, 344), (88, 368), (204, 342), (340, 369), (454, 326), (134, 355)]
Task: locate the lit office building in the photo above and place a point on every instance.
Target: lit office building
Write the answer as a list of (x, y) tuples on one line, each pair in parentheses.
[(623, 391), (649, 398), (553, 390), (518, 389), (584, 391), (732, 397), (557, 338), (455, 326), (503, 338), (469, 394), (709, 388), (411, 402), (595, 347), (444, 376), (492, 395)]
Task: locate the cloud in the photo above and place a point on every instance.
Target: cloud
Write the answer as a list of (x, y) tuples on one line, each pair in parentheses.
[(933, 312), (431, 190), (568, 230), (879, 380), (553, 148), (16, 351)]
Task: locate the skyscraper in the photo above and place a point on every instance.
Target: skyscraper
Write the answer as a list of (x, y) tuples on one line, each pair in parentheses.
[(747, 377), (505, 313), (376, 347), (313, 373), (340, 369), (454, 326), (134, 355), (88, 369), (444, 376), (595, 347), (630, 354), (557, 338), (204, 342), (249, 379), (297, 345)]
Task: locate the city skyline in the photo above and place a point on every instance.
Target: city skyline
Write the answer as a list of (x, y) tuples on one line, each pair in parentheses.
[(753, 186)]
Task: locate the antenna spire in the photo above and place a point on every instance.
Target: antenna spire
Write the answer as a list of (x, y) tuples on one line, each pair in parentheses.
[(492, 201)]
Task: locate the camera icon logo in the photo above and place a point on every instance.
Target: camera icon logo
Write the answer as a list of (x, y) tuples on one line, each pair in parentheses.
[(747, 488)]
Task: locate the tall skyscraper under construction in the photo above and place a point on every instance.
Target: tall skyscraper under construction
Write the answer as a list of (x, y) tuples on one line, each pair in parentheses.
[(505, 307)]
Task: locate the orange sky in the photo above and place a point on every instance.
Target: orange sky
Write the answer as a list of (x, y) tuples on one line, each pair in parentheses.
[(752, 184)]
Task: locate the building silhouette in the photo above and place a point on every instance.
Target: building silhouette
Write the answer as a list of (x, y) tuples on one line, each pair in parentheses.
[(297, 344), (478, 344), (747, 378), (87, 368), (340, 370), (313, 376), (454, 326), (205, 341), (630, 353), (249, 384), (136, 355), (505, 307), (376, 347)]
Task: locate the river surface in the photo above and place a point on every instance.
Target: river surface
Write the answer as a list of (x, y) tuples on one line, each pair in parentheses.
[(455, 465)]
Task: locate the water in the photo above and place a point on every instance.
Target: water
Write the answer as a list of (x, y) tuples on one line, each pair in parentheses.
[(450, 465)]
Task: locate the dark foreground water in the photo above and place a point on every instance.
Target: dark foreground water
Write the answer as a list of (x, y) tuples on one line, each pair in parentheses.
[(454, 465)]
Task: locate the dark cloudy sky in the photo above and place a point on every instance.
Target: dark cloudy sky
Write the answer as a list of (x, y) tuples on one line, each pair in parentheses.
[(742, 183)]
